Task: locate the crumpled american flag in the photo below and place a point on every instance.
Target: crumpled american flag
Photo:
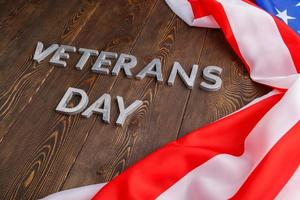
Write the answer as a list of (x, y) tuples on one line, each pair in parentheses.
[(253, 153)]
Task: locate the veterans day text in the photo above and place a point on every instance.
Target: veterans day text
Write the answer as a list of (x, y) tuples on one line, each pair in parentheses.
[(124, 62)]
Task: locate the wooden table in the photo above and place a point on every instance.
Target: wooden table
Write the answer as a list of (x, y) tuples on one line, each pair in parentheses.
[(41, 151)]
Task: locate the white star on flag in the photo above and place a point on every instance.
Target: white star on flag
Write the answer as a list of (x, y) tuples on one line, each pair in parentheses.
[(284, 16)]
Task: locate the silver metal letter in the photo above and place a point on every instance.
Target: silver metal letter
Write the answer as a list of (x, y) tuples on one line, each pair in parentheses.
[(101, 60), (126, 62), (149, 71), (128, 111), (188, 81), (104, 101), (210, 74), (62, 106), (61, 53), (86, 53), (40, 55)]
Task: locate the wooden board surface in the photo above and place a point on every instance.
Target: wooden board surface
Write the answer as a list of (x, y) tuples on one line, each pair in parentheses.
[(41, 151)]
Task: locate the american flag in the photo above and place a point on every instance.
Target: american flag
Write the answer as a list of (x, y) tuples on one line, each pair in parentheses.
[(251, 154)]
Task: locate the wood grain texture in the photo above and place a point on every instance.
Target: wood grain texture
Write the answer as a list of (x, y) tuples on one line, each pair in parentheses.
[(41, 151), (20, 76), (237, 88), (60, 134)]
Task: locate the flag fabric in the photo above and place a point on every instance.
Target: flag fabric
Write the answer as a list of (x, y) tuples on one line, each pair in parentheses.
[(80, 193), (251, 154)]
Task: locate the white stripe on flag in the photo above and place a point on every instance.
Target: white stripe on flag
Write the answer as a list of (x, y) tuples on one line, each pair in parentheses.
[(266, 53), (291, 190), (278, 81), (222, 176), (80, 193)]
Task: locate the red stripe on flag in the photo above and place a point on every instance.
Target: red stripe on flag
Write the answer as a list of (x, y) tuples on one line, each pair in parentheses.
[(197, 9)]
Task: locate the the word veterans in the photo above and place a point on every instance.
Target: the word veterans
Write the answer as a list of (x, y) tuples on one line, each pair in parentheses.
[(125, 62)]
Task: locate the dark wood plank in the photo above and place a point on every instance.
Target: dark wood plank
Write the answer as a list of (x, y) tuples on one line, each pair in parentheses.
[(20, 76), (110, 149), (47, 142), (237, 89), (9, 9), (15, 15)]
